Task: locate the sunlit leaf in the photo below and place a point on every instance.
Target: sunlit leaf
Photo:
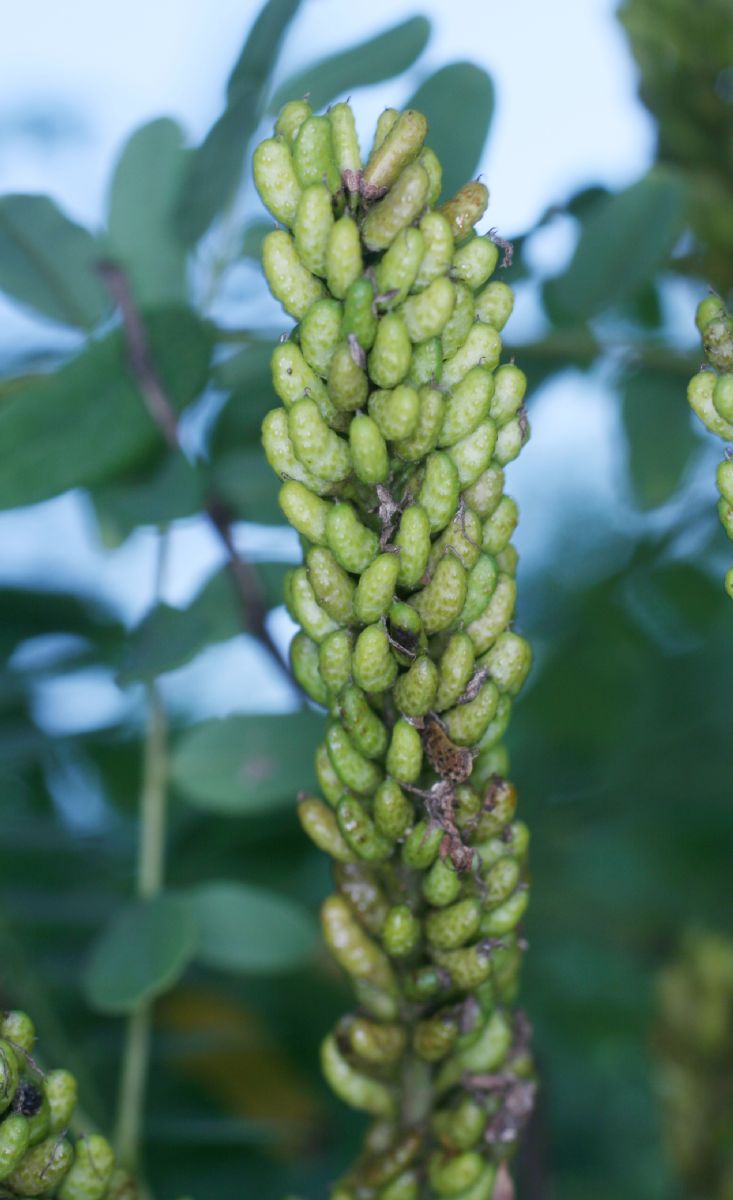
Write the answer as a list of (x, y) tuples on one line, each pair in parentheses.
[(458, 101), (250, 930)]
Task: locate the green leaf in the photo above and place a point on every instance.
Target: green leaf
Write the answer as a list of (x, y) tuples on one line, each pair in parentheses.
[(88, 420), (141, 954), (216, 166), (659, 436), (254, 235), (247, 482), (247, 764), (49, 263), (382, 57), (250, 930), (458, 101), (625, 239), (168, 491), (144, 189)]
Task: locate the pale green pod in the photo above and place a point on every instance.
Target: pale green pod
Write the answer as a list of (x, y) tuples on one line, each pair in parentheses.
[(427, 312), (466, 208), (14, 1141), (313, 154), (415, 690), (421, 847), (397, 269), (424, 437), (281, 456), (329, 781), (484, 495), (439, 491), (455, 670), (401, 932), (499, 806), (359, 884), (312, 227), (352, 947), (395, 412), (400, 207), (304, 661), (334, 660), (368, 450), (306, 609), (400, 145), (717, 340), (356, 1089), (39, 1124), (707, 310), (475, 261), (406, 632), (385, 122), (348, 386), (435, 1036), (343, 259), (378, 1043), (481, 583), (451, 927), (493, 734), (467, 722), (9, 1073), (472, 455), (360, 832), (460, 1127), (499, 527), (450, 1174), (332, 585), (353, 545), (355, 770), (291, 117), (365, 729), (461, 322), (42, 1168), (509, 390), (723, 397), (389, 357), (430, 161), (481, 348), (61, 1091), (359, 318), (510, 439), (441, 884), (375, 589), (438, 249), (468, 967), (319, 449), (724, 479), (494, 304), (404, 756), (393, 812), (508, 662), (305, 512), (320, 334), (276, 180), (700, 392), (496, 615), (467, 406), (507, 560), (18, 1029), (91, 1170), (294, 380), (319, 822), (461, 537), (513, 842), (345, 144), (373, 665), (427, 363), (506, 916), (442, 599), (483, 1186), (500, 881), (288, 279), (413, 539), (489, 1051)]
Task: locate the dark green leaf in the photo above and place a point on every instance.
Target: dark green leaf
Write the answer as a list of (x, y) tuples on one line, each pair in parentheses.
[(168, 491), (141, 954), (261, 48), (144, 188), (382, 57), (254, 235), (250, 930), (458, 101), (249, 485), (48, 262), (247, 764), (659, 436)]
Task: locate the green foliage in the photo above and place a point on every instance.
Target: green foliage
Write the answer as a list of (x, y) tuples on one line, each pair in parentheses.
[(248, 930), (457, 141)]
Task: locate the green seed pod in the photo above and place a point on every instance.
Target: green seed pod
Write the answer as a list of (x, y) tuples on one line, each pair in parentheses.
[(724, 479), (306, 609), (717, 338), (14, 1141), (293, 380), (496, 615), (353, 1087), (343, 258), (510, 387), (360, 831), (397, 270), (499, 805), (452, 927), (389, 358), (39, 1124), (438, 495), (499, 527), (421, 847), (455, 670), (506, 916), (723, 397), (334, 660), (425, 983), (468, 967), (313, 154), (368, 450), (425, 436), (481, 583), (375, 590), (404, 756), (467, 406), (332, 585), (475, 261), (291, 117), (507, 560), (378, 1043), (435, 1036), (430, 161), (304, 661), (413, 540), (460, 1128), (428, 312), (484, 495), (495, 303), (320, 334), (508, 662), (467, 722), (500, 881), (725, 512), (460, 324), (373, 665), (441, 885), (304, 511), (385, 122), (42, 1167), (510, 439), (91, 1170), (288, 279), (364, 727), (481, 348), (329, 781), (281, 454), (427, 363), (395, 413), (451, 1174), (707, 311), (399, 146), (354, 546), (18, 1028), (729, 582), (352, 948), (319, 822), (400, 207), (61, 1090), (276, 180), (354, 770), (345, 144), (466, 208), (493, 734), (700, 392), (472, 454), (359, 320), (312, 227), (442, 599), (9, 1073), (416, 689), (401, 932), (438, 249), (348, 385), (318, 448), (358, 883), (407, 636), (393, 813)]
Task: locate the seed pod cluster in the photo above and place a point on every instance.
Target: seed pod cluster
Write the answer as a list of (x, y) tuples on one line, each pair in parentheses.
[(710, 393), (395, 426), (37, 1156)]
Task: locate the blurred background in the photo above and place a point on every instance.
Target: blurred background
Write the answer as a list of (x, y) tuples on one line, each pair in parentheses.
[(606, 137)]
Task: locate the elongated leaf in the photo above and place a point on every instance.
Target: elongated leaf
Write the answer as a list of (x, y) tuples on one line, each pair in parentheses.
[(48, 262), (165, 491), (88, 420), (658, 433), (247, 764), (144, 188), (382, 57), (250, 930), (458, 101), (260, 50), (141, 954)]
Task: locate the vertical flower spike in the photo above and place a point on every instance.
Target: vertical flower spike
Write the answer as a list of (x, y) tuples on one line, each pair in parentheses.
[(397, 423)]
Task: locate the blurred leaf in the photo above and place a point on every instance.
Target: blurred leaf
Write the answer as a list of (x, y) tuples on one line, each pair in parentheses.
[(172, 489), (250, 930), (247, 764), (659, 437), (248, 369), (48, 262), (216, 165), (88, 420), (446, 97), (625, 238), (254, 235), (143, 191), (141, 954), (246, 481), (382, 57)]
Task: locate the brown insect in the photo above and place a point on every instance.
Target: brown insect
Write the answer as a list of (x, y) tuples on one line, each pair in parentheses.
[(446, 758), (440, 807)]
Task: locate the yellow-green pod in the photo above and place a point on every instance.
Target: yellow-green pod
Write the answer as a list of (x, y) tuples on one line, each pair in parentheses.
[(496, 615), (379, 1043), (291, 117), (507, 560), (508, 662), (506, 916), (42, 1167), (467, 722), (348, 385), (400, 207), (430, 161), (425, 436), (358, 883), (385, 122), (435, 1036), (487, 1053), (499, 527), (468, 966), (475, 261), (334, 660), (320, 334), (313, 154), (345, 144), (368, 450), (708, 310), (406, 632), (460, 1127), (415, 690), (404, 756), (510, 439), (481, 348), (18, 1028), (393, 812), (413, 540), (499, 806), (397, 269), (439, 247), (427, 312), (724, 479), (319, 822), (312, 227), (360, 832), (305, 512), (280, 454), (365, 729), (455, 670), (467, 405), (421, 847), (304, 660), (460, 324), (343, 259), (424, 983), (500, 881), (441, 885), (494, 304), (353, 545), (352, 948), (461, 537), (293, 379), (9, 1073), (513, 842), (389, 358), (276, 179), (306, 609), (329, 781), (466, 208), (319, 449), (439, 490), (700, 392), (729, 582), (725, 512), (442, 599), (451, 927), (485, 766), (723, 397), (373, 665), (332, 585), (472, 455), (401, 932), (427, 363), (61, 1091), (405, 1187), (390, 1152), (717, 340), (91, 1170), (352, 767), (288, 279), (39, 1124), (355, 1088), (375, 589), (359, 319), (484, 495), (14, 1141), (450, 1174), (399, 146), (481, 583), (395, 412)]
